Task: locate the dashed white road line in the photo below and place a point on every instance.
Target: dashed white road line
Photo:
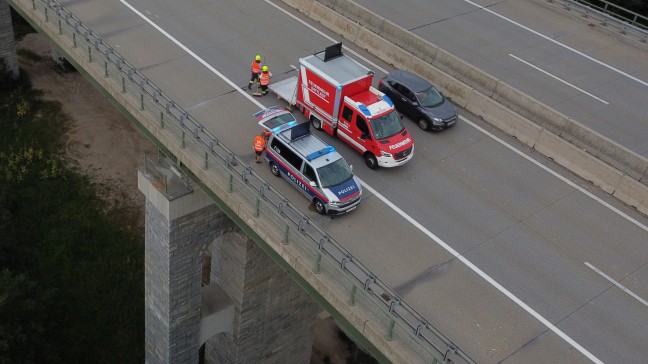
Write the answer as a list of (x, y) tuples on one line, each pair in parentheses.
[(559, 79), (622, 287), (415, 223)]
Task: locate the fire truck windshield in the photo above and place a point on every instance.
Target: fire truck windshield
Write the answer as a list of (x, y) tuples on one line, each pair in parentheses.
[(387, 125)]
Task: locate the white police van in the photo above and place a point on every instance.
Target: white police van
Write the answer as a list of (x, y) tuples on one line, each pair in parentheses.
[(311, 165)]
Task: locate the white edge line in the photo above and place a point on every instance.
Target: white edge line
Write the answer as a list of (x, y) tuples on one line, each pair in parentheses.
[(559, 79), (601, 63), (557, 175), (194, 55), (485, 276), (619, 285), (464, 260)]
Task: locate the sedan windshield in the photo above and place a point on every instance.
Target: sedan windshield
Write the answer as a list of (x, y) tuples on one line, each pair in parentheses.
[(430, 97), (334, 173), (386, 126)]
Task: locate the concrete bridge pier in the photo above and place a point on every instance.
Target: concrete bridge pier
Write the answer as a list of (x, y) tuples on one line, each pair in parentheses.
[(7, 41), (207, 283)]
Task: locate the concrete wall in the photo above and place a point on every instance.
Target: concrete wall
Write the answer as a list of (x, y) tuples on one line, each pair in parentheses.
[(7, 43), (614, 168)]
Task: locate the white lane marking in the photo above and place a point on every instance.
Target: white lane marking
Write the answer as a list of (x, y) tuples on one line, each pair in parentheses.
[(194, 55), (469, 264), (557, 175), (375, 66), (601, 63), (622, 287), (559, 79), (485, 276)]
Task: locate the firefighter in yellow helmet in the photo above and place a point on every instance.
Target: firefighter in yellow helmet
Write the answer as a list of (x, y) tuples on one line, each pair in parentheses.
[(264, 80), (256, 70)]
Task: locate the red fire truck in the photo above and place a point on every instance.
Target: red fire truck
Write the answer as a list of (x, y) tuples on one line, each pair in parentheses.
[(335, 93)]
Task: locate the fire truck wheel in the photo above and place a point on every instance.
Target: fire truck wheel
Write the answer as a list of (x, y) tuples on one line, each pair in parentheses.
[(423, 124), (274, 169), (371, 161), (319, 207), (317, 123)]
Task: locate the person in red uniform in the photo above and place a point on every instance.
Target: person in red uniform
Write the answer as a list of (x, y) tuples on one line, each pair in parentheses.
[(260, 144), (256, 70), (264, 80)]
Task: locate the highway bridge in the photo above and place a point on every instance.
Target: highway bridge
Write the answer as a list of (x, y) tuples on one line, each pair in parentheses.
[(489, 246)]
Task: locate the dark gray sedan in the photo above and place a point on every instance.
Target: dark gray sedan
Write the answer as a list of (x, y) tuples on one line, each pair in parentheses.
[(417, 99)]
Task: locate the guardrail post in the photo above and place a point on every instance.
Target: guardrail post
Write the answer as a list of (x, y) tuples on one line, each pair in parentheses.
[(285, 241), (351, 301), (161, 119), (105, 69), (390, 331), (74, 42), (60, 27), (257, 212), (183, 139), (206, 161), (230, 188), (123, 85), (316, 270)]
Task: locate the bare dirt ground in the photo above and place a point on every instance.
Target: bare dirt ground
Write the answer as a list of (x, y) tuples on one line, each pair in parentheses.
[(105, 145)]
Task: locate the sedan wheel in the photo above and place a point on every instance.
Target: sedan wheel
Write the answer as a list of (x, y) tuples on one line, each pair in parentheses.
[(423, 124)]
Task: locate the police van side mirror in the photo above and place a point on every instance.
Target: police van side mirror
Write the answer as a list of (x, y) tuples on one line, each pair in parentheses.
[(364, 136), (313, 184), (351, 167)]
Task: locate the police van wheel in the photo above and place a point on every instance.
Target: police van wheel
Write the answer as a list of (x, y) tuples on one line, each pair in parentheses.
[(371, 161), (317, 123), (423, 124), (319, 207), (274, 169)]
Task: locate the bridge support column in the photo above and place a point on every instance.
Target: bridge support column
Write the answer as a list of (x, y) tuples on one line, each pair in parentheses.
[(274, 317), (7, 41), (177, 233), (207, 282)]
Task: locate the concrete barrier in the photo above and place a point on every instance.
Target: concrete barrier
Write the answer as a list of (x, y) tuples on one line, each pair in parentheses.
[(503, 118), (465, 72), (459, 92), (302, 6), (525, 105), (583, 151), (571, 157)]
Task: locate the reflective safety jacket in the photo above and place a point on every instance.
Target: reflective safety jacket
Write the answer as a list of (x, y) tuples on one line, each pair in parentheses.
[(256, 67), (264, 78), (259, 143)]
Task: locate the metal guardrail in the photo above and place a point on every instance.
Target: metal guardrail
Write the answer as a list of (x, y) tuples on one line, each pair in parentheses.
[(626, 21), (328, 257)]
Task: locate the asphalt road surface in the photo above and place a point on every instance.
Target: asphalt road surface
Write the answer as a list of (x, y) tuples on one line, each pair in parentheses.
[(512, 257)]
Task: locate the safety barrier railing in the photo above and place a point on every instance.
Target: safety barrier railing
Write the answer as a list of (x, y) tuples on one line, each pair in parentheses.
[(607, 13), (329, 260)]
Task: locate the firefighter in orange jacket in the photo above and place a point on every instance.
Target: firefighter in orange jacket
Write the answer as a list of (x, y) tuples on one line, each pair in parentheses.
[(256, 70), (264, 80), (260, 144)]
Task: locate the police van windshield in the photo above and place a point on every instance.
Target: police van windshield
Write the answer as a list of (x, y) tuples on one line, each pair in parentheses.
[(334, 173), (387, 126)]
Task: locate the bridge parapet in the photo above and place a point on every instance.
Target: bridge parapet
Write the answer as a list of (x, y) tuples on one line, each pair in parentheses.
[(362, 303)]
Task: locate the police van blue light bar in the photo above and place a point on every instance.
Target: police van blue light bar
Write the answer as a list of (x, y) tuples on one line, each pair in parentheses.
[(326, 150), (280, 128)]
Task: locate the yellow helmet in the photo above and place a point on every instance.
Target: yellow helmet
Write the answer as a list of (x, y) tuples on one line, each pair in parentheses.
[(257, 58), (265, 69)]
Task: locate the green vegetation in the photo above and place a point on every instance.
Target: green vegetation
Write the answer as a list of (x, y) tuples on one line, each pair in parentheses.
[(71, 263)]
